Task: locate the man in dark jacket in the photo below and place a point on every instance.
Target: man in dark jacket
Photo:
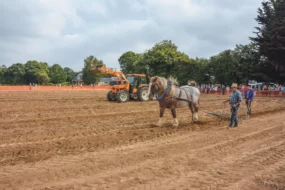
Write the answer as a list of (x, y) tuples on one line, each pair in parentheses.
[(248, 96)]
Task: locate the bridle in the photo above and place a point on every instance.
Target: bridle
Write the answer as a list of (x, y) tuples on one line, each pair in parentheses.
[(153, 84), (164, 93)]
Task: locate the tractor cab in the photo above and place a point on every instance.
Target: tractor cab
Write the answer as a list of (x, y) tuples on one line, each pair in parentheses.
[(137, 83)]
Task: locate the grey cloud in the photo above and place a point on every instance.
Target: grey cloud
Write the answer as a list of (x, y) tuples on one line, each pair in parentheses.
[(108, 28)]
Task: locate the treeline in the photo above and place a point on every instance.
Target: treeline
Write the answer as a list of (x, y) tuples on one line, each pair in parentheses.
[(35, 72), (164, 59), (41, 73)]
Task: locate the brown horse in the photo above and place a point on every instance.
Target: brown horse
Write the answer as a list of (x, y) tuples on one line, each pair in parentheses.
[(170, 96)]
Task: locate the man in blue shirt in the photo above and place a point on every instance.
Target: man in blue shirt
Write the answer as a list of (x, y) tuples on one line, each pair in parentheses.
[(234, 100), (248, 96)]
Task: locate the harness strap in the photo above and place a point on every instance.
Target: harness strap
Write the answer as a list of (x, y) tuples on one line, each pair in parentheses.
[(187, 100), (164, 95), (186, 93), (179, 97)]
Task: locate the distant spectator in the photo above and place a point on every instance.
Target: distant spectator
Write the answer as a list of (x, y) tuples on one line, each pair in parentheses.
[(228, 89), (223, 89), (208, 88)]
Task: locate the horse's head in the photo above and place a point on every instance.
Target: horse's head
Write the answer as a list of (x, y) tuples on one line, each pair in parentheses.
[(156, 84)]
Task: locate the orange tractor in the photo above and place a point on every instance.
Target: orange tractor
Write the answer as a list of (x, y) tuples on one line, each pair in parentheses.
[(134, 86)]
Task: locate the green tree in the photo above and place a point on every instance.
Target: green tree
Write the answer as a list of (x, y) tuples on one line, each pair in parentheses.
[(140, 65), (200, 71), (184, 70), (32, 67), (69, 73), (90, 63), (270, 38), (222, 68), (239, 65), (3, 68), (57, 74), (15, 74), (128, 62), (42, 77), (164, 59), (246, 60)]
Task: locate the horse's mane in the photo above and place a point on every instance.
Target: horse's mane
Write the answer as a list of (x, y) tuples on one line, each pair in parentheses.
[(174, 80)]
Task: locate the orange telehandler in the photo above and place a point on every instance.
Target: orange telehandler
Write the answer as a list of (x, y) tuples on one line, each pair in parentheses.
[(134, 86)]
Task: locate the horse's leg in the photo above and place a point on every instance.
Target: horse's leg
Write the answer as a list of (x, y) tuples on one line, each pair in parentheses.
[(196, 109), (173, 111), (160, 116), (190, 105)]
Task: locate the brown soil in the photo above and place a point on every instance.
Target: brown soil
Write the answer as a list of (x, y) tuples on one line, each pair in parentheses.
[(78, 140)]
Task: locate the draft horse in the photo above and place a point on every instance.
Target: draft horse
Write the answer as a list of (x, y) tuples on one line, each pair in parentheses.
[(171, 96)]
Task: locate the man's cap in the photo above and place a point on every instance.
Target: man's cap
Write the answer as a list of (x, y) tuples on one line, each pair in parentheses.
[(234, 85)]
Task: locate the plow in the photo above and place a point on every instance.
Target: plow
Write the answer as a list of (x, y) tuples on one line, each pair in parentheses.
[(221, 116)]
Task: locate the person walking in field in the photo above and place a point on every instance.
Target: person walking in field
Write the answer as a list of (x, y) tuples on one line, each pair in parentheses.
[(223, 89), (248, 96), (234, 100)]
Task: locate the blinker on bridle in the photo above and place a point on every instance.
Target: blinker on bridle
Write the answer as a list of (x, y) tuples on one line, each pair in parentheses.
[(155, 80)]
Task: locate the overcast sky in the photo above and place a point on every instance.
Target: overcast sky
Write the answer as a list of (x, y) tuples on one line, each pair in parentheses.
[(67, 31)]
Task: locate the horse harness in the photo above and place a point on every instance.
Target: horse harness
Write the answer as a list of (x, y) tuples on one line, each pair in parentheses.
[(165, 94)]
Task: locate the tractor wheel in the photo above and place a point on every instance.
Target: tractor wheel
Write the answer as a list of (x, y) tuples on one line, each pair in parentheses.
[(143, 94), (123, 96), (111, 96)]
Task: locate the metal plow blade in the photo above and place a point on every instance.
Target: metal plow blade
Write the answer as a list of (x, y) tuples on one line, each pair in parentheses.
[(219, 116)]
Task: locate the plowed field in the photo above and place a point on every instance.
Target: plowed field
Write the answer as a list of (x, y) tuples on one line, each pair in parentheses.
[(78, 140)]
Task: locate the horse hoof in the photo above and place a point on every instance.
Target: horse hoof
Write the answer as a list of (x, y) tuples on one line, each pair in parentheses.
[(159, 123), (195, 117), (176, 123)]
